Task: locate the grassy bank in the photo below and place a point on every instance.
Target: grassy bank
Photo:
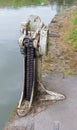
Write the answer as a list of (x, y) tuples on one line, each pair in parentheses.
[(72, 35), (19, 3)]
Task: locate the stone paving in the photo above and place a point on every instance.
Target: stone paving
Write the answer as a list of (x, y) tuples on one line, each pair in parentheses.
[(62, 114)]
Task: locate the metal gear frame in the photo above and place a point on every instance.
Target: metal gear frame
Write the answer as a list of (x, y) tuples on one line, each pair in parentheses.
[(33, 45)]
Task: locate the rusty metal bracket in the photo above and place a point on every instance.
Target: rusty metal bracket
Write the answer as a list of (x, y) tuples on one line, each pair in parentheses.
[(34, 34)]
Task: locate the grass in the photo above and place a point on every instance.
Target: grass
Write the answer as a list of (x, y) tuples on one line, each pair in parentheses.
[(19, 3), (73, 34)]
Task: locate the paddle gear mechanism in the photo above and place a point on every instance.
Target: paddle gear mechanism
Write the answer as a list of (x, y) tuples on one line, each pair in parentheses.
[(33, 45)]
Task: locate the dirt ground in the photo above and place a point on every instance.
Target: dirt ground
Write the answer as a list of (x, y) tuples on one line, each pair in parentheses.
[(62, 57)]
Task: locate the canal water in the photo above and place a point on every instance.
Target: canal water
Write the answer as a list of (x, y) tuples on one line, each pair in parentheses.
[(11, 63)]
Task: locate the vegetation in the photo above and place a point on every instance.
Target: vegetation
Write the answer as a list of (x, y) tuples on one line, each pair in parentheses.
[(64, 2), (18, 3), (73, 33)]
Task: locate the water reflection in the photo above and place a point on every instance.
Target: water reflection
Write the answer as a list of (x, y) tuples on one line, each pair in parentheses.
[(62, 4)]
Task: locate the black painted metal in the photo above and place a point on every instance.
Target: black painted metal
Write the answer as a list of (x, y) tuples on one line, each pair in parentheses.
[(29, 58)]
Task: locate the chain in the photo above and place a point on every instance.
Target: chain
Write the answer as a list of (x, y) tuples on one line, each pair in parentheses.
[(28, 67)]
